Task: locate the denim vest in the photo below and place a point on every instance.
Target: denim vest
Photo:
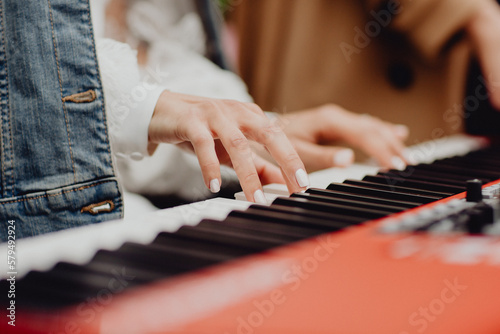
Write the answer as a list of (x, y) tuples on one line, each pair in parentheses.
[(56, 166)]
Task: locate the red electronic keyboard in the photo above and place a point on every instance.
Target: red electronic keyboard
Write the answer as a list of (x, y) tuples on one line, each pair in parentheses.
[(398, 252)]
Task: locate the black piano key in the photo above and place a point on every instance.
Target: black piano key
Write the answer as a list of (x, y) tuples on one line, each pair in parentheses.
[(110, 259), (414, 177), (327, 207), (456, 170), (357, 204), (403, 190), (42, 287), (404, 182), (490, 159), (244, 244), (381, 193), (470, 166), (166, 260), (360, 198), (32, 297), (292, 233), (316, 226), (117, 266), (328, 217), (65, 284), (479, 160), (263, 239), (443, 175), (173, 255), (107, 273), (205, 245), (486, 152), (39, 296)]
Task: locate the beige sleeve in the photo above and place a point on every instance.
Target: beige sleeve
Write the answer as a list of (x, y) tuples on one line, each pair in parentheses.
[(430, 24)]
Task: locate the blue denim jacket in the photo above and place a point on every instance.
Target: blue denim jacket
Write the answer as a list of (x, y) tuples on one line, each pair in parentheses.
[(56, 166)]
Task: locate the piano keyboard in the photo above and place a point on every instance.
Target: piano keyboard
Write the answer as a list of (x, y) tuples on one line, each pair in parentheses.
[(362, 255)]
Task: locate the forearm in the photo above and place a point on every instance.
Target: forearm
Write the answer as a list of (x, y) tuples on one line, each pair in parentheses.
[(429, 24), (484, 32)]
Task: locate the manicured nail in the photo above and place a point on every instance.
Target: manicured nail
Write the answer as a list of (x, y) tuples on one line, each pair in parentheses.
[(215, 186), (409, 157), (402, 130), (398, 163), (302, 178), (343, 158), (259, 198)]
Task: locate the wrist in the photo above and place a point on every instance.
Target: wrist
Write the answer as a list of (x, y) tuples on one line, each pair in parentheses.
[(153, 139)]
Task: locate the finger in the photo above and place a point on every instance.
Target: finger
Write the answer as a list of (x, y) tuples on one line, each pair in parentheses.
[(337, 123), (204, 148), (396, 146), (387, 153), (274, 139), (384, 141), (400, 131), (266, 132), (238, 149), (252, 107), (321, 157), (268, 173)]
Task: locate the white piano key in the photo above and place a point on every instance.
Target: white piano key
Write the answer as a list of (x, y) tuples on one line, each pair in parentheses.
[(78, 245)]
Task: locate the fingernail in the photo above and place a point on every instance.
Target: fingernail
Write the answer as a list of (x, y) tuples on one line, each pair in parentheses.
[(302, 178), (409, 157), (343, 158), (402, 130), (398, 163), (259, 198), (215, 186)]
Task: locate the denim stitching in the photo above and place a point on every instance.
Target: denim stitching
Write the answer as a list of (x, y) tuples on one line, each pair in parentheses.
[(102, 97), (98, 77), (54, 195), (10, 112), (1, 134), (11, 147), (60, 87)]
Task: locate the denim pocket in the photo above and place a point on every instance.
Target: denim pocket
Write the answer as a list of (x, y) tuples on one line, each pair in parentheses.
[(61, 208)]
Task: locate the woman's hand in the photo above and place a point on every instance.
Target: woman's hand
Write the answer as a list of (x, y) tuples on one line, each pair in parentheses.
[(218, 131), (484, 32), (311, 131)]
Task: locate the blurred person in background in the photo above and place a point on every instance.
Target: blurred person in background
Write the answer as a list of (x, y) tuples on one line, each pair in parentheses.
[(178, 44), (404, 61)]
